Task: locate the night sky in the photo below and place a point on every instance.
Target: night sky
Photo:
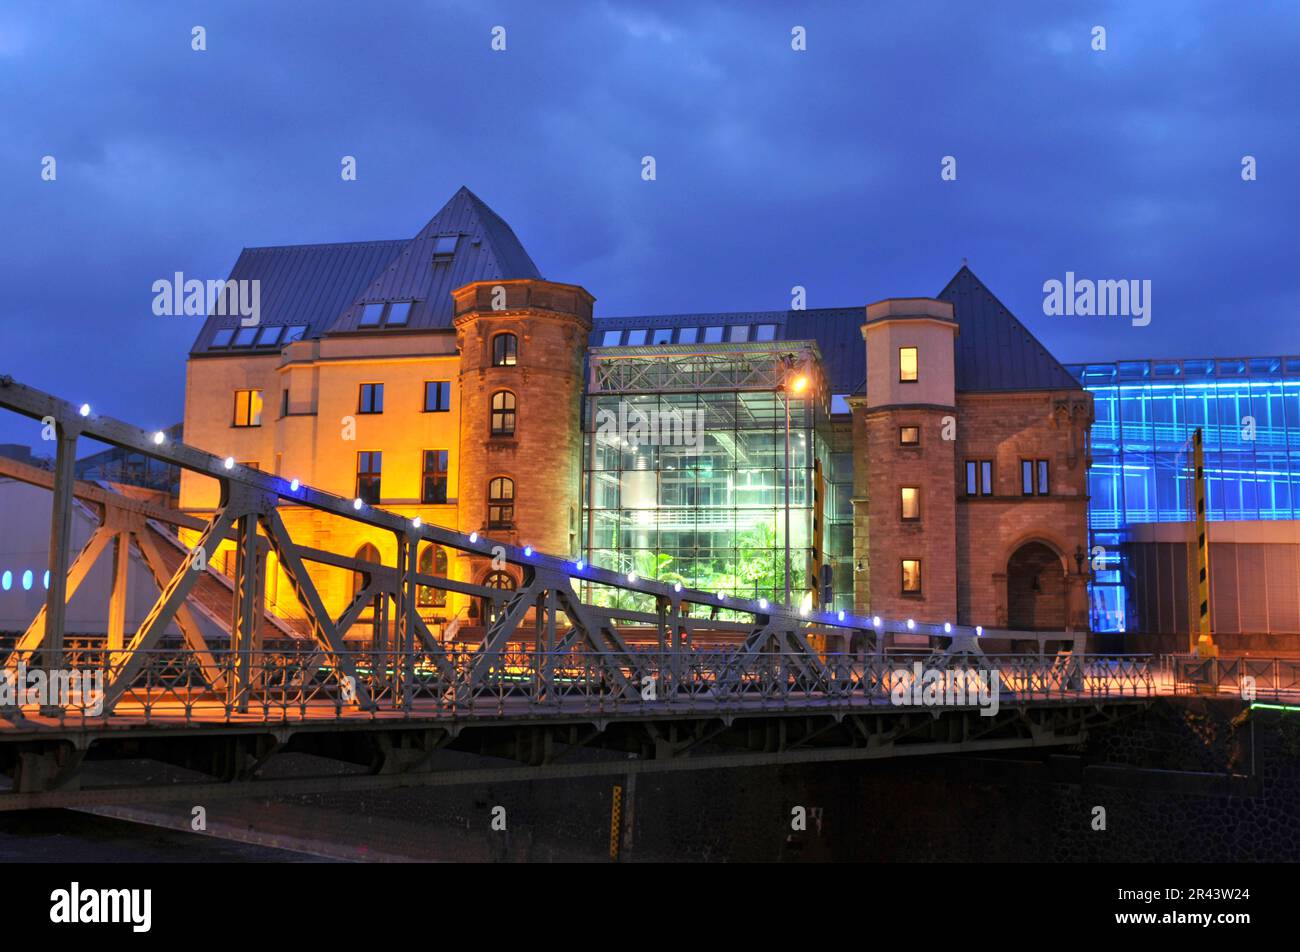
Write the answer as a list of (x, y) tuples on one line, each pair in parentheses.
[(775, 168)]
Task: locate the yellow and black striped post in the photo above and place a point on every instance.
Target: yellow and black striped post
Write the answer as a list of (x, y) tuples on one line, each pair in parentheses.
[(615, 823), (1203, 645)]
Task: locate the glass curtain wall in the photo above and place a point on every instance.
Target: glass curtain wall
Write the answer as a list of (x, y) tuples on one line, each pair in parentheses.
[(687, 485), (1146, 412)]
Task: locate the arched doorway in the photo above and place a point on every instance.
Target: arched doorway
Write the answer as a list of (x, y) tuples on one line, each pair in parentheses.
[(487, 608), (1036, 596)]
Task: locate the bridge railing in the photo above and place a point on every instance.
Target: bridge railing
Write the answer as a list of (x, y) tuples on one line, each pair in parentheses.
[(180, 685), (1251, 679)]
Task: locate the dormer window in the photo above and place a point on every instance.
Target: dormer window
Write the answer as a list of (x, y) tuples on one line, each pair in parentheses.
[(444, 246), (223, 337), (385, 314)]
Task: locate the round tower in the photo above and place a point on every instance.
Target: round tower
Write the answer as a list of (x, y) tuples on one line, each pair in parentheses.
[(522, 344)]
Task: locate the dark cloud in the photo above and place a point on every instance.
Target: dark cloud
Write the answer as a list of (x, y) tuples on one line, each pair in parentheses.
[(775, 168)]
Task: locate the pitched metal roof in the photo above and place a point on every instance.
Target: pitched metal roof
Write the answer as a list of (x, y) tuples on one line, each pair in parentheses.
[(303, 284), (994, 350), (486, 250), (324, 286)]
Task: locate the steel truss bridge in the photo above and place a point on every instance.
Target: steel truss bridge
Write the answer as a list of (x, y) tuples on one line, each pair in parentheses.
[(581, 671)]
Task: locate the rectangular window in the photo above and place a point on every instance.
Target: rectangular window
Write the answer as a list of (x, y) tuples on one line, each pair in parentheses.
[(909, 435), (765, 332), (1033, 478), (399, 312), (911, 576), (911, 502), (284, 403), (371, 398), (713, 335), (636, 338), (611, 339), (370, 465), (223, 336), (907, 370), (687, 335), (248, 408), (662, 335), (437, 396), (979, 477), (739, 333), (435, 477), (294, 333), (370, 315), (444, 246), (244, 337), (269, 336)]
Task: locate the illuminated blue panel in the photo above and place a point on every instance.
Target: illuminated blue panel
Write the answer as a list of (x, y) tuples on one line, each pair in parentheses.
[(1146, 412)]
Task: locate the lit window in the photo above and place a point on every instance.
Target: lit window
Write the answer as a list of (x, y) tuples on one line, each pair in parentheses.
[(248, 408), (371, 398), (501, 503), (739, 333), (244, 338), (911, 576), (687, 335), (437, 396), (907, 364), (445, 245), (505, 350), (713, 335), (370, 466), (503, 413), (611, 339), (765, 332), (909, 435), (433, 561), (370, 315), (399, 313), (635, 338), (911, 502), (662, 335), (294, 333), (435, 477), (223, 337)]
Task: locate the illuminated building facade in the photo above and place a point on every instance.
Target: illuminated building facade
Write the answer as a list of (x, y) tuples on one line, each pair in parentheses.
[(1249, 412), (937, 452)]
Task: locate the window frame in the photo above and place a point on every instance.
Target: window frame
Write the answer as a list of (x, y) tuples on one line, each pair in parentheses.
[(902, 578), (377, 398), (253, 419), (366, 477), (913, 427), (503, 506), (426, 473), (511, 411), (916, 364), (983, 476), (902, 503), (437, 409), (509, 347)]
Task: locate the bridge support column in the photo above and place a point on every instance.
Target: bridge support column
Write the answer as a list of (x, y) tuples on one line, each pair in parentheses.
[(118, 592), (247, 607)]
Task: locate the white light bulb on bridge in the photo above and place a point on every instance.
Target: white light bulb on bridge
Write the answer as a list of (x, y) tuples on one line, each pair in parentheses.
[(875, 620), (677, 586), (294, 485), (841, 615), (979, 631), (159, 438), (528, 550), (803, 610), (357, 503), (85, 409), (416, 522), (911, 624), (581, 565), (762, 603), (722, 596), (473, 537), (947, 628), (631, 577), (229, 463)]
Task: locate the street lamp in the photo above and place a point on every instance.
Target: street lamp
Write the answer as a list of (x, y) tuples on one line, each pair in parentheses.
[(795, 380)]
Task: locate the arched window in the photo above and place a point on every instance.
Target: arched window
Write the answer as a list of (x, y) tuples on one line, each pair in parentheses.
[(503, 413), (499, 580), (367, 553), (433, 561), (501, 503), (505, 350)]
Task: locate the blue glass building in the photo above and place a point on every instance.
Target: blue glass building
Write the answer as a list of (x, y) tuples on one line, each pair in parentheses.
[(1146, 412)]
